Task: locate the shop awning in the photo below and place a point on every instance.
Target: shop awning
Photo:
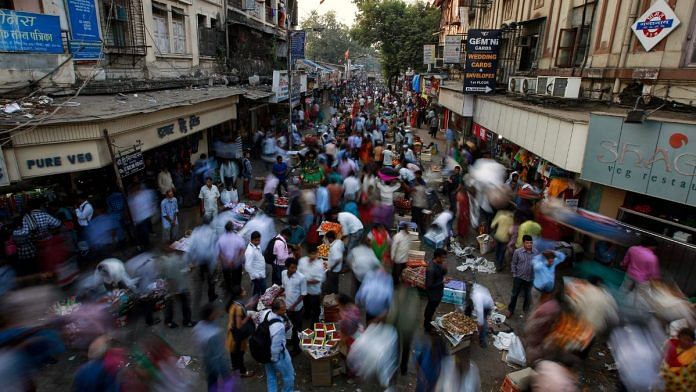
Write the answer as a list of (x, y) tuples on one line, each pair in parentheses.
[(256, 94)]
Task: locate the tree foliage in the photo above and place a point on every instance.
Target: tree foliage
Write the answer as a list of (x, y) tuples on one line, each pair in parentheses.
[(397, 30), (328, 39)]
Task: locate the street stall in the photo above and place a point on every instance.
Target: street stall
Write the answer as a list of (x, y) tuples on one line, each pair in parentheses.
[(321, 345), (457, 330)]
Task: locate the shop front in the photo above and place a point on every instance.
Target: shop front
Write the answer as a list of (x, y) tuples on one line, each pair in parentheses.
[(75, 143), (643, 174), (458, 108)]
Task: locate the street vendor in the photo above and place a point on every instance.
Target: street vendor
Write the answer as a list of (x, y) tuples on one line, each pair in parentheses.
[(312, 173)]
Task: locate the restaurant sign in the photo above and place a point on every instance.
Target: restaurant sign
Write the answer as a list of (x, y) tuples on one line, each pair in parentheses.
[(654, 158)]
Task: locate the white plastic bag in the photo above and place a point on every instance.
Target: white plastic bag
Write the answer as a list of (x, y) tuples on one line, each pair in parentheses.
[(516, 354), (485, 243)]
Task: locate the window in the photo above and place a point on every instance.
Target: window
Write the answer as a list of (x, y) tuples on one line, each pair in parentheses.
[(566, 46), (507, 9), (22, 5), (573, 44), (178, 31), (528, 44), (201, 21), (123, 27), (690, 48), (161, 31)]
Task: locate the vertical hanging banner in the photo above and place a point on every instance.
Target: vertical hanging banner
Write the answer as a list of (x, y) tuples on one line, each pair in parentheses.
[(481, 61), (297, 44), (428, 54), (85, 42), (453, 49)]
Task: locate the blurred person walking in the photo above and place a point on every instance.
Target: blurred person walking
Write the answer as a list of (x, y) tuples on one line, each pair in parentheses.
[(544, 266), (336, 252), (483, 304), (502, 222), (641, 265), (230, 248), (434, 286), (239, 328), (202, 256), (175, 272), (210, 341), (399, 252)]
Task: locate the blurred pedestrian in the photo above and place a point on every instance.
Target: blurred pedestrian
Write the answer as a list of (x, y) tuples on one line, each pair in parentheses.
[(544, 266), (502, 222), (175, 273), (202, 256), (335, 263), (230, 250), (483, 304), (239, 328), (641, 265), (375, 295), (210, 342), (434, 286), (281, 170)]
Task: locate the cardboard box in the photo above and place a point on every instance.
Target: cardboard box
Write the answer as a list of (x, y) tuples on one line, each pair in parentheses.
[(454, 297)]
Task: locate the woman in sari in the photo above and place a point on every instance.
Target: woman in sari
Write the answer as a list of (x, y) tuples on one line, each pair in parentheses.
[(463, 221), (679, 367), (380, 243)]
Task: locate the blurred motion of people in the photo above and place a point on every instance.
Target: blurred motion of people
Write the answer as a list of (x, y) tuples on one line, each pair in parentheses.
[(375, 295), (210, 341), (679, 367), (434, 286), (641, 265), (143, 206), (230, 249), (202, 256)]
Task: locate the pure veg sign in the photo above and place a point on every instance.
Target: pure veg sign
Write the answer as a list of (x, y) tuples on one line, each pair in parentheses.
[(481, 61), (655, 24)]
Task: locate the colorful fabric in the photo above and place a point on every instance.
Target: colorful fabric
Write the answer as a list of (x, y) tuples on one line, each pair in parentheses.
[(679, 368)]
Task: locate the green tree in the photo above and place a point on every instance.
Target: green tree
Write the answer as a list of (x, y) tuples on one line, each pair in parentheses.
[(328, 39), (398, 31)]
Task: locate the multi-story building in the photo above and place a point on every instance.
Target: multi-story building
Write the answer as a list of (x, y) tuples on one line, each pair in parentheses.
[(148, 75), (603, 90)]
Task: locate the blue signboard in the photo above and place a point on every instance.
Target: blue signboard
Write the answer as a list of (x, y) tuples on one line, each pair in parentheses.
[(84, 30), (654, 158), (29, 32), (297, 45), (481, 61)]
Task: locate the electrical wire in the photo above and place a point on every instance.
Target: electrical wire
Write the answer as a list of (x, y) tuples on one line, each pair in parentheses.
[(89, 78)]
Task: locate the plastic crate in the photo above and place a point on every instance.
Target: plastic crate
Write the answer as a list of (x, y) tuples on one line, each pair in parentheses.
[(454, 297), (254, 195)]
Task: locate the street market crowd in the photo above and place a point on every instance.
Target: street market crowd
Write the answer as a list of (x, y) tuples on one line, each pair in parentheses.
[(329, 256)]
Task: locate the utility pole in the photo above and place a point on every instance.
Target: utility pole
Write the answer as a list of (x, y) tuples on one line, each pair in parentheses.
[(289, 54)]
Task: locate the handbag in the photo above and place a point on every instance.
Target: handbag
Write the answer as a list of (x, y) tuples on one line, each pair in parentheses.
[(246, 330)]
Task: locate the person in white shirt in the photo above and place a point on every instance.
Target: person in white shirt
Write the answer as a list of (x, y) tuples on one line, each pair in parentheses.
[(229, 195), (407, 176), (483, 303), (255, 264), (295, 289), (209, 196), (352, 228), (388, 156), (164, 181), (84, 211), (336, 250), (351, 187), (400, 246), (228, 173), (409, 156), (313, 269), (281, 361)]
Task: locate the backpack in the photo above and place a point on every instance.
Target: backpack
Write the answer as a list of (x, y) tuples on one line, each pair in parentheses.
[(260, 341), (268, 252)]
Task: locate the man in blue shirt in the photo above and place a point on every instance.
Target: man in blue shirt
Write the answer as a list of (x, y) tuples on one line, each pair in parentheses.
[(449, 141), (280, 170), (544, 265)]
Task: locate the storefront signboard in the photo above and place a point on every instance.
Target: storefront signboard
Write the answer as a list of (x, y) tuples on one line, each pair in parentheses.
[(130, 162), (281, 85), (29, 32), (453, 49), (480, 132), (428, 54), (654, 158), (297, 44), (35, 161), (655, 24), (182, 125), (481, 61), (84, 29)]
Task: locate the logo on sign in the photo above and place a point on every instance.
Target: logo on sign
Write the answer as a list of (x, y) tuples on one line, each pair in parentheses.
[(654, 24)]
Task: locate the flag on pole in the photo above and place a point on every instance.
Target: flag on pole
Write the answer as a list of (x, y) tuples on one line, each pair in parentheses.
[(347, 54)]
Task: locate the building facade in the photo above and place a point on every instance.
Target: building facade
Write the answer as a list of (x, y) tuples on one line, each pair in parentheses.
[(603, 91)]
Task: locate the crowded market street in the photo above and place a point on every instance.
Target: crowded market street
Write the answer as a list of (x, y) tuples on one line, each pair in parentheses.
[(364, 195)]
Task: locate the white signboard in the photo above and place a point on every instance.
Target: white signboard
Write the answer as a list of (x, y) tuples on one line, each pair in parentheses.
[(428, 54), (453, 49), (281, 85), (655, 24)]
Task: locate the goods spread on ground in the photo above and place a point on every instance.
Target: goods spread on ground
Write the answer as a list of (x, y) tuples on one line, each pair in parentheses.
[(458, 323), (327, 226), (323, 251), (322, 341)]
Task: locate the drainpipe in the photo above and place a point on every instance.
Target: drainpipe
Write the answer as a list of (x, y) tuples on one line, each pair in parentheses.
[(623, 56)]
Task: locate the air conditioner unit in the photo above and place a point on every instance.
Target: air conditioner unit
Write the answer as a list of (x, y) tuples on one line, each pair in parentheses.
[(514, 84), (544, 84), (528, 86), (565, 87)]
